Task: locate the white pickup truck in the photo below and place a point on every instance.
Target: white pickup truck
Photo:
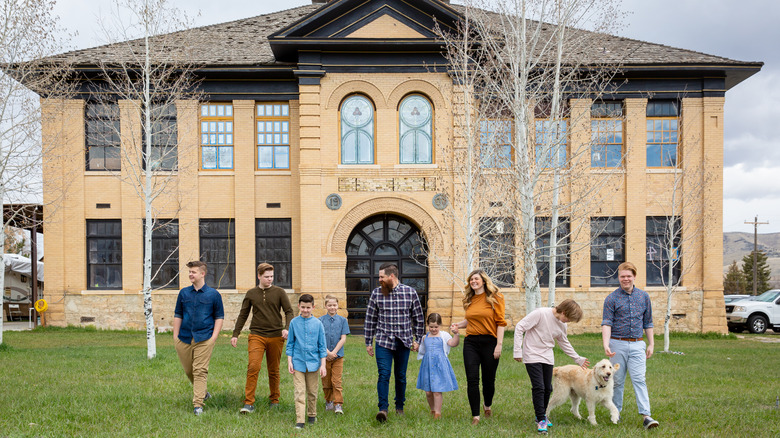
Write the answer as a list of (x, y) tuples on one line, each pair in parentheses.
[(757, 313)]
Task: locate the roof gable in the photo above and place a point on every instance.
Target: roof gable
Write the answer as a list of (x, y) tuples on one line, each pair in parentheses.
[(340, 18), (385, 26)]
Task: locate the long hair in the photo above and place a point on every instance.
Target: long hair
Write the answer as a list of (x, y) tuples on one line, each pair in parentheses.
[(490, 289)]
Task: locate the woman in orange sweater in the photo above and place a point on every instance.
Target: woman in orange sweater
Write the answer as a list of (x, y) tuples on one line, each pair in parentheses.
[(485, 325)]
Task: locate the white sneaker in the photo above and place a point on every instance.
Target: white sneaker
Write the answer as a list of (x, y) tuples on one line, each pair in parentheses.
[(328, 406), (339, 409)]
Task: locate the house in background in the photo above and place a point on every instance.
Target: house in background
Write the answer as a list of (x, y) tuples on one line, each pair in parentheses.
[(297, 157)]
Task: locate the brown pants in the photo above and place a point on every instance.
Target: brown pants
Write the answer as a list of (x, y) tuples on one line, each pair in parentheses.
[(331, 383), (305, 391), (272, 348), (195, 359)]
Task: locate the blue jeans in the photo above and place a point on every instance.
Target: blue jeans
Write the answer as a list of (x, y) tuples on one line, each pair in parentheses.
[(384, 362), (632, 358)]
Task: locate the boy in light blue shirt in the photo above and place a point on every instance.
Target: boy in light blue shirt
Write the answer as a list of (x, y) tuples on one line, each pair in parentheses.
[(306, 353)]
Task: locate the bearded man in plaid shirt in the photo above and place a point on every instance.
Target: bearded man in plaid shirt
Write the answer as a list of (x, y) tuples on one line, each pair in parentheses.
[(394, 315)]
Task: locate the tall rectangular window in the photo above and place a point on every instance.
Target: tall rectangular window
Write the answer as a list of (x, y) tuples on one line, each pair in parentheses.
[(273, 244), (218, 250), (163, 154), (662, 133), (664, 235), (273, 135), (497, 249), (543, 227), (165, 254), (607, 249), (103, 133), (495, 149), (551, 143), (216, 135), (606, 127), (104, 254)]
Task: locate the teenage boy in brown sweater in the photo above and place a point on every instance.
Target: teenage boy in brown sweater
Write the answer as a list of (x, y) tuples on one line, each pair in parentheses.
[(267, 333)]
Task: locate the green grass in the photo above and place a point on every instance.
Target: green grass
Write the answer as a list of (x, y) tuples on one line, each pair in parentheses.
[(87, 382)]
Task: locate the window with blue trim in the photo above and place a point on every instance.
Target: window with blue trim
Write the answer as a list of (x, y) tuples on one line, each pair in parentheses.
[(662, 133), (495, 138), (357, 130), (551, 143), (606, 128), (216, 136), (273, 135), (416, 130)]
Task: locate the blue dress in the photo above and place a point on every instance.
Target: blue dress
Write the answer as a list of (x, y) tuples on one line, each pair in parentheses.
[(436, 373)]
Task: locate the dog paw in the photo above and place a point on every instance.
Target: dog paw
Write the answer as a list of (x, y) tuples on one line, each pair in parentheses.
[(592, 421)]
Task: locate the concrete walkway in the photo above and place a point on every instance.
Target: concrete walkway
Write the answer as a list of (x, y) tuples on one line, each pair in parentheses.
[(16, 326)]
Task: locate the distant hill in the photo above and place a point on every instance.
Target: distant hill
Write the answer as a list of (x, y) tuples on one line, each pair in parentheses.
[(737, 245)]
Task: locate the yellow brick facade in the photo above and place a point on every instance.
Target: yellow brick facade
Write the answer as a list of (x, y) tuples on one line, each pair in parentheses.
[(320, 234)]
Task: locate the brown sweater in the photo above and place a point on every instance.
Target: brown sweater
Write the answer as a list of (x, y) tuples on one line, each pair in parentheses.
[(266, 305)]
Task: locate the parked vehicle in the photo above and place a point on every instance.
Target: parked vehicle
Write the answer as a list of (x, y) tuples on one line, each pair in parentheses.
[(730, 298), (756, 314)]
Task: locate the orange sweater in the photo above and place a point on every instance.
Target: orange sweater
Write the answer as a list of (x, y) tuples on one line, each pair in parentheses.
[(483, 319)]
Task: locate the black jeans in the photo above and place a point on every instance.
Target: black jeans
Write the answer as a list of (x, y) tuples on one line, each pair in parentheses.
[(541, 387), (478, 352)]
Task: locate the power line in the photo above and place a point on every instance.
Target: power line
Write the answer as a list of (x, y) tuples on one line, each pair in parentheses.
[(755, 224)]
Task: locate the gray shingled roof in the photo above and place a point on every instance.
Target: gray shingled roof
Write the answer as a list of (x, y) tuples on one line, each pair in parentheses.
[(244, 42)]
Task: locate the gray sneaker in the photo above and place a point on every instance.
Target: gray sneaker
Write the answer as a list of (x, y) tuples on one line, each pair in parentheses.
[(247, 409), (197, 411), (338, 409), (649, 423), (329, 406)]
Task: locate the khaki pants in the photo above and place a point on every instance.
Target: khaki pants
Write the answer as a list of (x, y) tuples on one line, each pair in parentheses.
[(305, 391), (272, 348), (331, 383), (195, 359)]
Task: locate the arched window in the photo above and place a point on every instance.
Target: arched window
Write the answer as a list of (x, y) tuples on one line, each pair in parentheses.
[(415, 130), (357, 131)]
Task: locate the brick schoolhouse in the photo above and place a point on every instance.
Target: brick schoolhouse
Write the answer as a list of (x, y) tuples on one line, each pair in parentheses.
[(300, 156)]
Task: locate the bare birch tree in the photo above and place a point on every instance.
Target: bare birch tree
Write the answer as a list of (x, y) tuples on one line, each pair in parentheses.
[(674, 246), (526, 58), (28, 34), (148, 74)]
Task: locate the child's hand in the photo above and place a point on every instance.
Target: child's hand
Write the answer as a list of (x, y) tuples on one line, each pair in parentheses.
[(290, 368), (519, 359), (331, 355), (585, 364), (323, 372), (454, 329)]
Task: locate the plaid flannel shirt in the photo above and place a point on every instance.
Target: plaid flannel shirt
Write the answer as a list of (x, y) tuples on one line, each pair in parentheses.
[(396, 316)]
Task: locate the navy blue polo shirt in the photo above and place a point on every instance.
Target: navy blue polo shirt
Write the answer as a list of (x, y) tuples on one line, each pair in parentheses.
[(198, 309)]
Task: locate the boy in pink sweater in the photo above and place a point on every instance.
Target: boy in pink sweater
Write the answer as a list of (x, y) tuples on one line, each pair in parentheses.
[(542, 328)]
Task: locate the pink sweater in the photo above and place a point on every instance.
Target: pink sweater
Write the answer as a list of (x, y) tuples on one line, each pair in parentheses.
[(542, 329)]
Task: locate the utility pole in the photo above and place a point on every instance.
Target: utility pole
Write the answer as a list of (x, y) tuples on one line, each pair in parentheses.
[(755, 224)]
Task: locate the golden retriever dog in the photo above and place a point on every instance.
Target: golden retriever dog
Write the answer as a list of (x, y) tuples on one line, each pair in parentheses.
[(594, 385)]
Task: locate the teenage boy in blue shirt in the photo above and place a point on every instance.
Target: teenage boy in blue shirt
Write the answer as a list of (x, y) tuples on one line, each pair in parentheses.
[(197, 320), (306, 353)]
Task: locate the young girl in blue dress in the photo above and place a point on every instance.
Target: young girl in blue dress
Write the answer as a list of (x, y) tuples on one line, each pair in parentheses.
[(436, 375)]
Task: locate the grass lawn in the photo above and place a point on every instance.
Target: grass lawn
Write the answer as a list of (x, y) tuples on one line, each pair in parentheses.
[(81, 382)]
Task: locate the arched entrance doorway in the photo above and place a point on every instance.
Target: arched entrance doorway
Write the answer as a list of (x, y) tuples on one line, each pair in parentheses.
[(380, 239)]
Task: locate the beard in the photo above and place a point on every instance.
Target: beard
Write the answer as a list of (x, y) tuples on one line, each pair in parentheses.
[(387, 287)]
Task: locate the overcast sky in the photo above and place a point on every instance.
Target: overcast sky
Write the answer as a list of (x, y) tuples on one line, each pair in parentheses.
[(744, 30)]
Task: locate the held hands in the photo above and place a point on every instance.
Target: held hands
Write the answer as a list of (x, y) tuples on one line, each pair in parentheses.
[(454, 328), (234, 341)]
